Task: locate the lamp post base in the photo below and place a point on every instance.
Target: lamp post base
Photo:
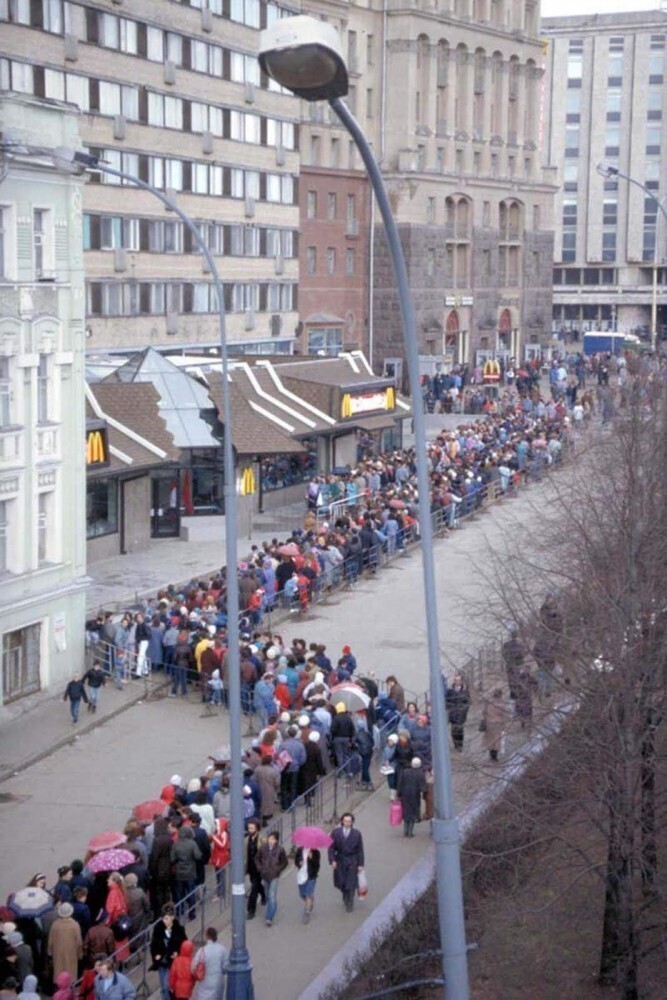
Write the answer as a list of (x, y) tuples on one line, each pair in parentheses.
[(239, 976)]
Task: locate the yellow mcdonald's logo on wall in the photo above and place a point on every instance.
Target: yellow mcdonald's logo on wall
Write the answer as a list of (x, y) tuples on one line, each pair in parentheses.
[(97, 447), (247, 486), (367, 402)]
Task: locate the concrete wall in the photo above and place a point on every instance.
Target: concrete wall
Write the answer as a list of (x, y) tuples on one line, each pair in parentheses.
[(137, 498), (104, 547)]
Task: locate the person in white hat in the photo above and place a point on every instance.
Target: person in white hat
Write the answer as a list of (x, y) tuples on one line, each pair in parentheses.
[(411, 785)]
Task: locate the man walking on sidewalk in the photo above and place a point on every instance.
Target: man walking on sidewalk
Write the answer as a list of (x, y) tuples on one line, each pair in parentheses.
[(96, 679), (75, 691), (346, 857)]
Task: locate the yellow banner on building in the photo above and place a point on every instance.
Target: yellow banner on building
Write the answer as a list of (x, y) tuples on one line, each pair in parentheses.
[(353, 406)]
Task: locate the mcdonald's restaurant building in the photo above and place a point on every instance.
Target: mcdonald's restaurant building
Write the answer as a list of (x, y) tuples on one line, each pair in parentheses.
[(127, 447)]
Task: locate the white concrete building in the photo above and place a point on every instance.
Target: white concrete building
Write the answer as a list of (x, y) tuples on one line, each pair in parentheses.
[(42, 431), (607, 102)]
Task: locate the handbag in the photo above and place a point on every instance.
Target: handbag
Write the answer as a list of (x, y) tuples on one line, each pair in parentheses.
[(283, 759), (362, 884), (395, 812), (200, 970), (302, 873)]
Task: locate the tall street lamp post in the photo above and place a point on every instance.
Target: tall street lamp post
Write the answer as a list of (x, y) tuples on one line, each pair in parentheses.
[(607, 170), (304, 55), (239, 967)]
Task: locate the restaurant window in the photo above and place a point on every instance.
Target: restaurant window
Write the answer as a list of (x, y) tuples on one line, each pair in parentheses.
[(101, 507), (280, 471), (325, 339)]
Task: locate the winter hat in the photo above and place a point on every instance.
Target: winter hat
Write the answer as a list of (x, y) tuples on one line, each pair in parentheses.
[(7, 928), (271, 653), (282, 679), (347, 649), (282, 661), (211, 630), (416, 762), (340, 707), (319, 677), (65, 910), (392, 740), (314, 737), (15, 939), (284, 716), (216, 675), (303, 721), (194, 785), (176, 780), (30, 984)]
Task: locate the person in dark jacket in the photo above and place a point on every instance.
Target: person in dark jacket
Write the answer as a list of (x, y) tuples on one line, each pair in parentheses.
[(95, 678), (159, 865), (184, 857), (313, 769), (307, 879), (457, 702), (183, 662), (271, 863), (76, 693), (343, 732), (166, 940), (81, 910), (411, 786), (252, 845), (346, 857), (203, 843)]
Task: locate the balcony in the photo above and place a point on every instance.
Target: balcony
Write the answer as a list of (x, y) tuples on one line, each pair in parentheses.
[(10, 445), (48, 441)]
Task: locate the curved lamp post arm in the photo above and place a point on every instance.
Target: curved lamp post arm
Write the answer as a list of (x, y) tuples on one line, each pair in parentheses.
[(445, 825)]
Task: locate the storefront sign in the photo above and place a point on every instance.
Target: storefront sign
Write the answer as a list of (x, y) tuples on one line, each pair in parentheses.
[(97, 447), (247, 482), (352, 406), (458, 300)]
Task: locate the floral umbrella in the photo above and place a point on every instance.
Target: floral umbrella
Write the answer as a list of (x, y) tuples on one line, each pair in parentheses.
[(110, 861)]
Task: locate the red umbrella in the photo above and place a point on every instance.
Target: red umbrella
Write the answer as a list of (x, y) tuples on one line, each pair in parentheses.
[(106, 841), (291, 549), (111, 861), (311, 837), (396, 504), (145, 812)]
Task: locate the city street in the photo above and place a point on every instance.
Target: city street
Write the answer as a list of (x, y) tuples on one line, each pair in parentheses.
[(92, 784)]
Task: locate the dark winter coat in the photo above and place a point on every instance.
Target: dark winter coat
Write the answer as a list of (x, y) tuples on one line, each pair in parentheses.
[(457, 701), (159, 862), (163, 948), (271, 861), (348, 853), (184, 855), (410, 786), (313, 769)]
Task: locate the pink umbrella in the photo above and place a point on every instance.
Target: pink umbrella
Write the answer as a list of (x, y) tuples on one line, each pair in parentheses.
[(311, 837), (396, 504), (110, 861), (106, 841), (291, 549), (146, 812)]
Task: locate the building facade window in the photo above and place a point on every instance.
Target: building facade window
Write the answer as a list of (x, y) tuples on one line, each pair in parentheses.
[(20, 662), (43, 387), (331, 260), (5, 393), (311, 260), (101, 507), (325, 340), (349, 261)]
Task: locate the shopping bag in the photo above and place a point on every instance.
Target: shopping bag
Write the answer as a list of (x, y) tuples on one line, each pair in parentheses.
[(362, 884), (395, 813)]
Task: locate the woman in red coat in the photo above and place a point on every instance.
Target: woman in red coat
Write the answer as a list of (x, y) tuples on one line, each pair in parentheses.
[(181, 979), (220, 853), (116, 907)]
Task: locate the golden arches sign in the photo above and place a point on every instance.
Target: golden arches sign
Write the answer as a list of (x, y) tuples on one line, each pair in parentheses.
[(352, 406), (247, 482), (97, 448)]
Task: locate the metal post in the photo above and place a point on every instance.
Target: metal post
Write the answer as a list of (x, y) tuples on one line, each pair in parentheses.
[(445, 825), (239, 967)]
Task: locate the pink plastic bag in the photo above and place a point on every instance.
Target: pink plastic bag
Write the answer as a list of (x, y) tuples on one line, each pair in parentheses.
[(395, 813)]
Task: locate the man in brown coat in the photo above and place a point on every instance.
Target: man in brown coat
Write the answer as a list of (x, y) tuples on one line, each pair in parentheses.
[(65, 946)]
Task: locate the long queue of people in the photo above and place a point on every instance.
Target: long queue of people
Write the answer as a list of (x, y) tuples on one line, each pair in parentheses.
[(183, 629)]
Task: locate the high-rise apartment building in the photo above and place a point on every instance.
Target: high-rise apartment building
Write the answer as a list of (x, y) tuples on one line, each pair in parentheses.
[(607, 103), (451, 95), (171, 92), (42, 454)]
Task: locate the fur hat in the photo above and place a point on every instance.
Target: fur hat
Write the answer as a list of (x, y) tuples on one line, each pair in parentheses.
[(65, 910)]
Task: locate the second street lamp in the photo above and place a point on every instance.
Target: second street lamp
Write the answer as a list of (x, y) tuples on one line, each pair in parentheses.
[(239, 968), (305, 56), (608, 170)]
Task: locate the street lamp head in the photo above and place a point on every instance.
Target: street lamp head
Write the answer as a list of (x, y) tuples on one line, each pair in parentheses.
[(305, 56), (607, 170)]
